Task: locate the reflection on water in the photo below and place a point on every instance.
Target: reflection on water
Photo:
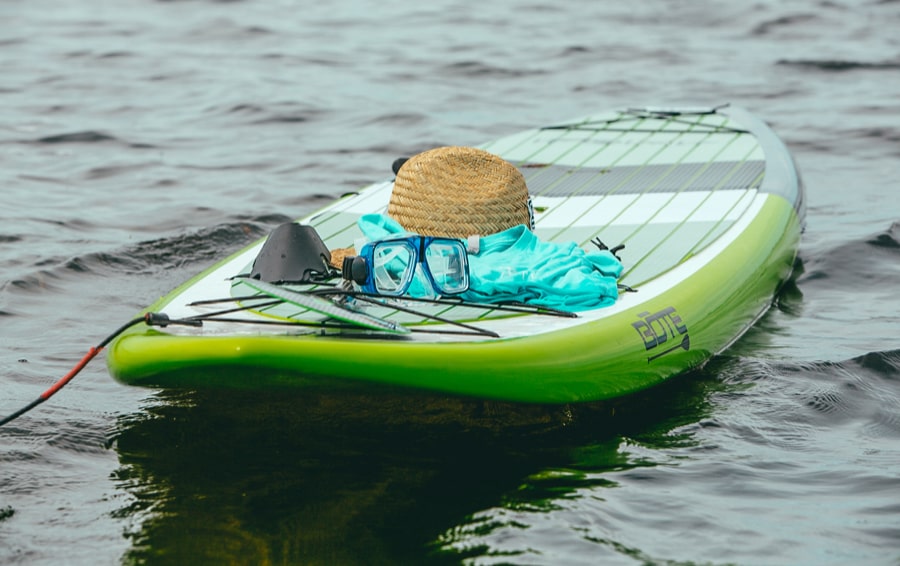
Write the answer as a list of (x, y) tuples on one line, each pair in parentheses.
[(364, 477)]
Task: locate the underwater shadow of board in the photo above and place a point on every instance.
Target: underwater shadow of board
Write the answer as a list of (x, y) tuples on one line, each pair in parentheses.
[(374, 476)]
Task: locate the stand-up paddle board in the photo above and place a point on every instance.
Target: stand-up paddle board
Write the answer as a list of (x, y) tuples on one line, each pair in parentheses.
[(707, 202)]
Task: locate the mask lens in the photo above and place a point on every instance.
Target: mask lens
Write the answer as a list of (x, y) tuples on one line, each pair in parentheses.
[(392, 267), (448, 265)]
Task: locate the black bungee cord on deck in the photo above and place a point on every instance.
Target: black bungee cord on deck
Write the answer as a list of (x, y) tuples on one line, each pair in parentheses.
[(150, 318), (163, 320)]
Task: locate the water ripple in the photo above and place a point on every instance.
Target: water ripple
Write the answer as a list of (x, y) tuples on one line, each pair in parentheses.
[(873, 261), (478, 69), (77, 137), (782, 22), (86, 137), (839, 65), (155, 256)]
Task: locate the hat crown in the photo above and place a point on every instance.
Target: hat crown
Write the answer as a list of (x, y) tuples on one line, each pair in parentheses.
[(458, 192)]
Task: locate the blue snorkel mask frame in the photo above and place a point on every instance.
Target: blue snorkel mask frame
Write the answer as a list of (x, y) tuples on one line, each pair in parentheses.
[(391, 266)]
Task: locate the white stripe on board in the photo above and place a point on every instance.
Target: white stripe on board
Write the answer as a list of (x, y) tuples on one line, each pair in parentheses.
[(632, 209)]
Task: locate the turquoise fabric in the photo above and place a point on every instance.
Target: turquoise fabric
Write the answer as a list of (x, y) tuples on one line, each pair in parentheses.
[(515, 265)]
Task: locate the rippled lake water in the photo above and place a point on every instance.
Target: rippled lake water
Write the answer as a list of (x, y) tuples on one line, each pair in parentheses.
[(141, 140)]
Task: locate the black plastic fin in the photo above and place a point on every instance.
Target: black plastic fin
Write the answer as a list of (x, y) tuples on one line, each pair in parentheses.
[(294, 253)]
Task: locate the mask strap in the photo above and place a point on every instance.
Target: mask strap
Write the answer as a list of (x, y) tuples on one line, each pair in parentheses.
[(473, 244), (530, 214)]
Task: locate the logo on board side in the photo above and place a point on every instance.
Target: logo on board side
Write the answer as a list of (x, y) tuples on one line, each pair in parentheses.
[(658, 328)]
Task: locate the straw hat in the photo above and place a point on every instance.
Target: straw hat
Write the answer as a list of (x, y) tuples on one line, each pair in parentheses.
[(338, 255), (459, 192)]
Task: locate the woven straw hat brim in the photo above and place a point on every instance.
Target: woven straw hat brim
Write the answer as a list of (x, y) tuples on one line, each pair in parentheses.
[(458, 192), (338, 255)]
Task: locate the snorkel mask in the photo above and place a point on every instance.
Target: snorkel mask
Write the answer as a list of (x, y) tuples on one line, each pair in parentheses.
[(412, 264)]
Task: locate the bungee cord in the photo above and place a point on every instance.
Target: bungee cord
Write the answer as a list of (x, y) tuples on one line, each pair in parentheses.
[(163, 320), (151, 319)]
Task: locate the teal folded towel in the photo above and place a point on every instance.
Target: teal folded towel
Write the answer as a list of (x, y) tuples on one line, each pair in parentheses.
[(516, 266)]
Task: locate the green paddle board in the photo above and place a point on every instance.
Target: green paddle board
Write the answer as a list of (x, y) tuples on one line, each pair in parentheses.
[(708, 203)]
